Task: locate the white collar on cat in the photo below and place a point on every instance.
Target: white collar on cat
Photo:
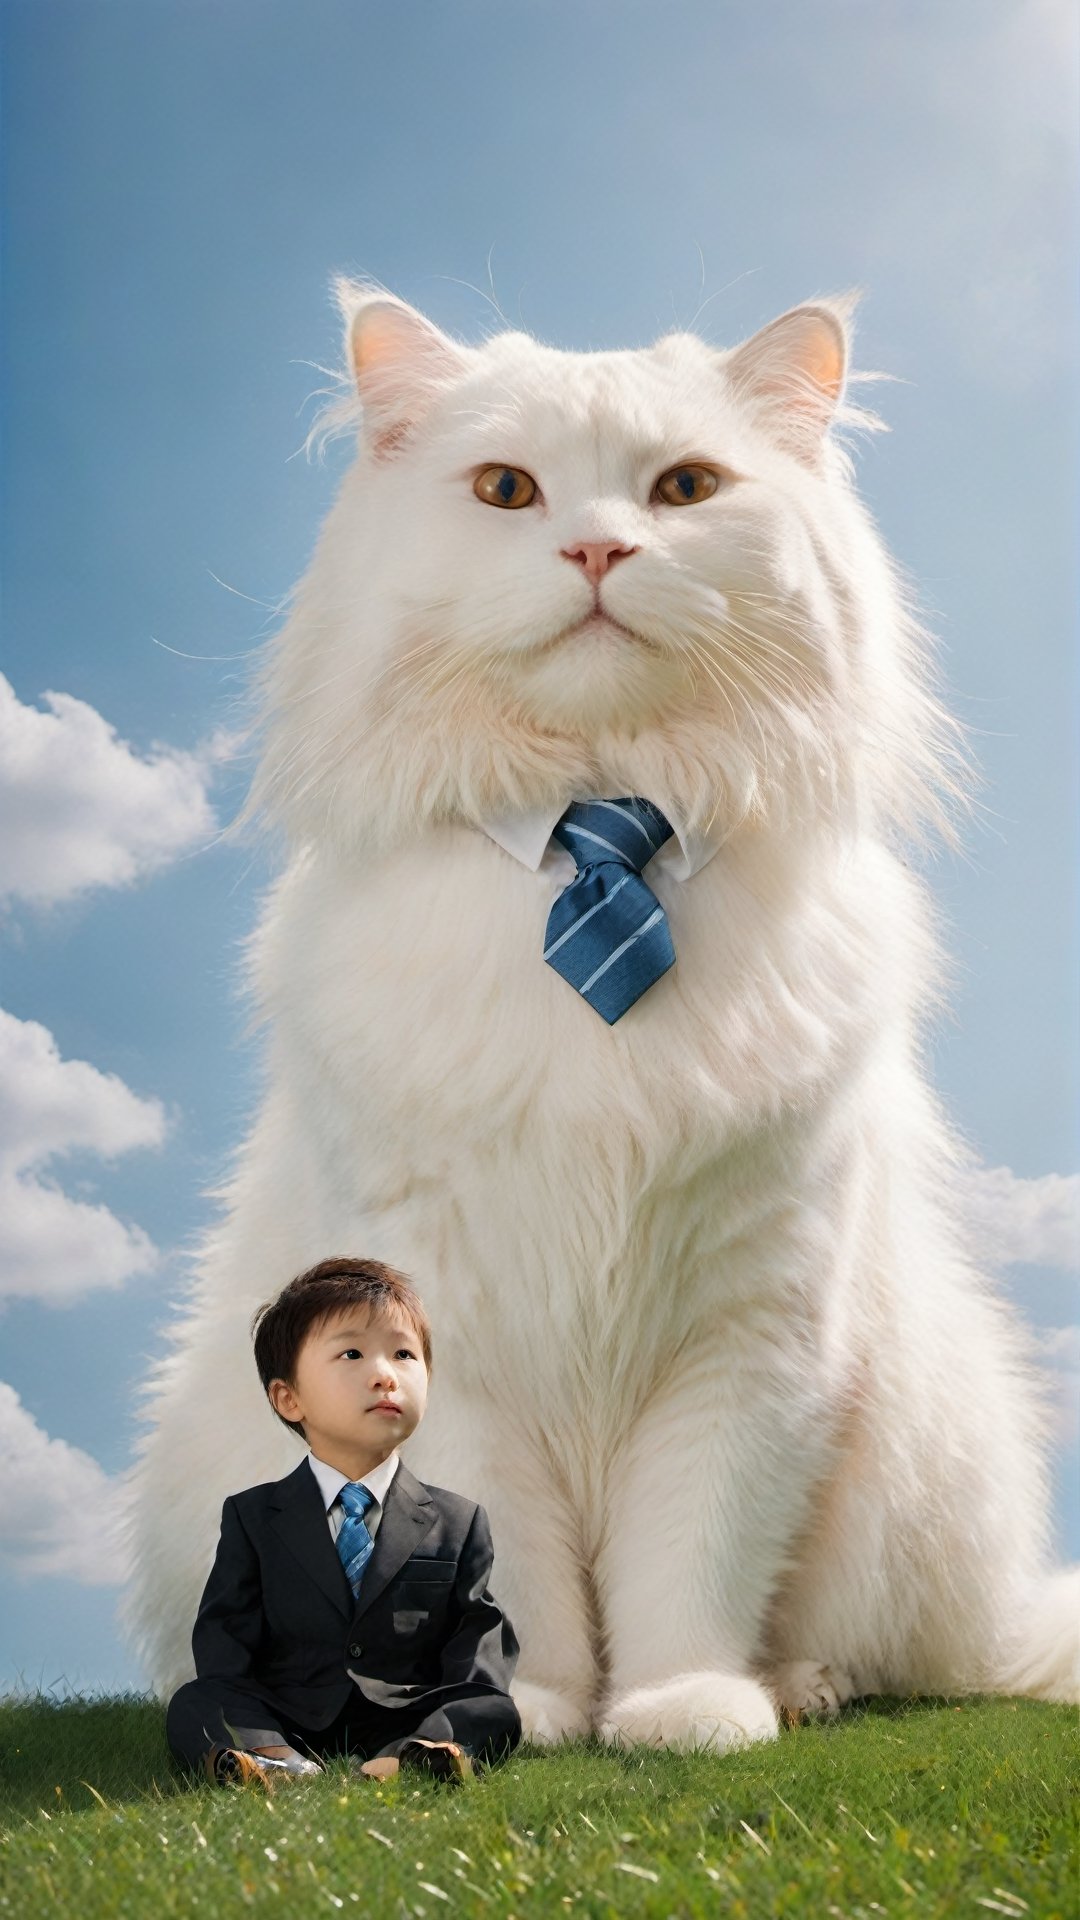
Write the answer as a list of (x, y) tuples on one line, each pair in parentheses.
[(527, 837)]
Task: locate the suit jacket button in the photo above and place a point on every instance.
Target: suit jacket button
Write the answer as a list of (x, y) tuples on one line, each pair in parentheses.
[(355, 1650)]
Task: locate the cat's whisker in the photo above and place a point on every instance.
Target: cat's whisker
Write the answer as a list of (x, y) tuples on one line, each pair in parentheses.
[(771, 636), (713, 669), (765, 640), (769, 680), (685, 659), (704, 643), (756, 644), (693, 652)]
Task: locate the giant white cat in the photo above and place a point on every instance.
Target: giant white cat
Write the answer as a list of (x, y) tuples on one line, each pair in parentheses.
[(752, 1430)]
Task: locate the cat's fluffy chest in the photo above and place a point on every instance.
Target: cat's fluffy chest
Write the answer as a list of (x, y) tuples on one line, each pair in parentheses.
[(415, 982)]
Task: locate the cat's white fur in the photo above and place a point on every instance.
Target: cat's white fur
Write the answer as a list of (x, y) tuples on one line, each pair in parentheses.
[(751, 1429)]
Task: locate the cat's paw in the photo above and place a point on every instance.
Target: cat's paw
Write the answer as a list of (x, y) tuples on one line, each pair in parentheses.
[(547, 1716), (806, 1690), (714, 1710)]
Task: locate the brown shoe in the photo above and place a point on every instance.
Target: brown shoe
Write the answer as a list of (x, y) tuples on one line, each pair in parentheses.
[(441, 1759), (232, 1767)]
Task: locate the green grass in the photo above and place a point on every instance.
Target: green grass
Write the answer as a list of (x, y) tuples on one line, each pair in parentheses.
[(902, 1808)]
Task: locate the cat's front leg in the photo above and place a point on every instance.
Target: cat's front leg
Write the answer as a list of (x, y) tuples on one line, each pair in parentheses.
[(709, 1492), (537, 1577)]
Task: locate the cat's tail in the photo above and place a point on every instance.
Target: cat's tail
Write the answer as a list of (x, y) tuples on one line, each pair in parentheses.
[(1045, 1662)]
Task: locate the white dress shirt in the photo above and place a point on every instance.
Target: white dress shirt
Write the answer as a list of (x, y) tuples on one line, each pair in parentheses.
[(331, 1480), (527, 837)]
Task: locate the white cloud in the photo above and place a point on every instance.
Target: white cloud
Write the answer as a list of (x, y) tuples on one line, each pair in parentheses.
[(83, 809), (1059, 1348), (60, 1512), (1027, 1222), (54, 1248)]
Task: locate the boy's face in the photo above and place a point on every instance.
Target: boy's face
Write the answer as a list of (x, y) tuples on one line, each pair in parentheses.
[(360, 1388)]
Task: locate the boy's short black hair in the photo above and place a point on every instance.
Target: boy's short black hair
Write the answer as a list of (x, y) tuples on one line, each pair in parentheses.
[(282, 1325)]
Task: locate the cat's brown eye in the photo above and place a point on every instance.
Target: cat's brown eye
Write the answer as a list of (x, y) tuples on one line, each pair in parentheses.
[(504, 487), (685, 486)]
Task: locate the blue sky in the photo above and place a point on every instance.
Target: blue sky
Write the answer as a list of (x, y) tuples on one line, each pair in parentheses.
[(180, 181)]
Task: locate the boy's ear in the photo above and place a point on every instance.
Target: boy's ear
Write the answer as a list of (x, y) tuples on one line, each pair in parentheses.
[(284, 1400)]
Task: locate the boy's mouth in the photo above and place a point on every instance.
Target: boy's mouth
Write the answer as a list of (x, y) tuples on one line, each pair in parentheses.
[(385, 1406)]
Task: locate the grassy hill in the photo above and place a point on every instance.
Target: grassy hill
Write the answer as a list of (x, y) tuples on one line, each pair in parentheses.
[(900, 1808)]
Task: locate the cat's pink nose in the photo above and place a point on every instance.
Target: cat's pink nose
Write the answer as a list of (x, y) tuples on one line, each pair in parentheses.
[(596, 556)]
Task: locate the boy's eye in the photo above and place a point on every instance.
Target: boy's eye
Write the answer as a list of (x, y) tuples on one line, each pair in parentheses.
[(404, 1353), (351, 1353)]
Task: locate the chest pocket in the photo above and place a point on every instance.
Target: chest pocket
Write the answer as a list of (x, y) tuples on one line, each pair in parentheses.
[(417, 1572), (421, 1589)]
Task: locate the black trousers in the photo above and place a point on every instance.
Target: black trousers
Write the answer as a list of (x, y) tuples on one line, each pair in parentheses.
[(211, 1713)]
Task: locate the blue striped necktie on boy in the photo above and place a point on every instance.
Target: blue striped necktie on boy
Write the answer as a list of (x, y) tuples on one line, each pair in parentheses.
[(354, 1543), (607, 933)]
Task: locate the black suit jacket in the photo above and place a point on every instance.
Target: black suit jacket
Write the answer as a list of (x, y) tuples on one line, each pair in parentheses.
[(278, 1619)]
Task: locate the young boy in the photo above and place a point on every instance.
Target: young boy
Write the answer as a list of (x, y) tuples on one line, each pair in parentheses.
[(347, 1609)]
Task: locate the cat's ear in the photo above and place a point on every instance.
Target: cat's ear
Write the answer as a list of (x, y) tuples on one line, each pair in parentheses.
[(793, 373), (398, 359)]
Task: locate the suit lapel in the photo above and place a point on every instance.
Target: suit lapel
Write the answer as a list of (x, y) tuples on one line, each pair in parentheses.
[(409, 1513), (301, 1521)]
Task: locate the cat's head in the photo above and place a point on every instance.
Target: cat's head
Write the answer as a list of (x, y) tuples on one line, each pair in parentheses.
[(550, 573)]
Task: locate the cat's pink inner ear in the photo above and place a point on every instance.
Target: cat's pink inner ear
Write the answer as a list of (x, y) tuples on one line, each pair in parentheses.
[(398, 360), (794, 369)]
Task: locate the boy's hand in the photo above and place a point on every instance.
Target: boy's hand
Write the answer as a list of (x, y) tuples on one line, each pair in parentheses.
[(383, 1769)]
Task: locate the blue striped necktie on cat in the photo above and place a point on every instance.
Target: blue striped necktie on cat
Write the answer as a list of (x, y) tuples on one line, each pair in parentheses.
[(607, 933), (354, 1543)]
